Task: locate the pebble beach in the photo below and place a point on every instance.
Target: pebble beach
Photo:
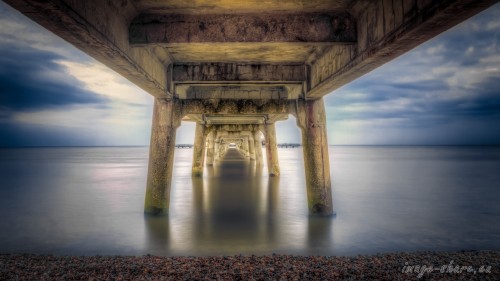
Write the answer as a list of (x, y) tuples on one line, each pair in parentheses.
[(466, 265)]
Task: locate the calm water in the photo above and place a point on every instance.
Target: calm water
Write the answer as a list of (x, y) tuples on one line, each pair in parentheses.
[(90, 201)]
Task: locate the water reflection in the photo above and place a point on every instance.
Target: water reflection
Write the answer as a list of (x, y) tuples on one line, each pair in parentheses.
[(319, 235), (157, 234), (227, 205), (234, 209)]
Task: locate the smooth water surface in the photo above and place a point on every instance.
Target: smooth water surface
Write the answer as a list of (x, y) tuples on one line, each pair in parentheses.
[(88, 201)]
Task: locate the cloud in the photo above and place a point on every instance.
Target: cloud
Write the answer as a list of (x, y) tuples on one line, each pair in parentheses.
[(439, 92), (33, 80), (53, 94)]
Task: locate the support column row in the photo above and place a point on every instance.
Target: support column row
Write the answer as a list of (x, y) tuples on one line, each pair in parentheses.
[(310, 118)]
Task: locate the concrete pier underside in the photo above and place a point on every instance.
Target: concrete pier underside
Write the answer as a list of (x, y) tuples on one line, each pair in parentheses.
[(238, 67)]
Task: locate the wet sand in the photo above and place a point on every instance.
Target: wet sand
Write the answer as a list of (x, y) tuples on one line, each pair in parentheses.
[(274, 267)]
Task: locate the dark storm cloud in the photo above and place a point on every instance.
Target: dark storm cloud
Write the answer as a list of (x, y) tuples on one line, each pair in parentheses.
[(482, 101), (32, 80)]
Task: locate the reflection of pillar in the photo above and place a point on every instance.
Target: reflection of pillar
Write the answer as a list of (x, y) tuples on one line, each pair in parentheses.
[(210, 149), (198, 150), (161, 156), (258, 147), (311, 118), (272, 150), (251, 146)]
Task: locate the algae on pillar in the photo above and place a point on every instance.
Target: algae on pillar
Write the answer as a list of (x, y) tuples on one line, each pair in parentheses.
[(271, 150), (166, 119), (198, 150), (312, 121)]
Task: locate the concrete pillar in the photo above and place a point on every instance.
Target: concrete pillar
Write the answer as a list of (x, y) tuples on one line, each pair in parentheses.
[(258, 147), (210, 149), (272, 150), (199, 150), (216, 146), (311, 119), (246, 148), (223, 150), (251, 145), (166, 119)]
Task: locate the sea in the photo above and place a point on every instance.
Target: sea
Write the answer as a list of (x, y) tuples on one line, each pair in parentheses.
[(90, 201)]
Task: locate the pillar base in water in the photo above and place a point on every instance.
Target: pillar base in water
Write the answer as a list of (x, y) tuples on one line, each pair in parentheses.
[(320, 210), (197, 173), (155, 211)]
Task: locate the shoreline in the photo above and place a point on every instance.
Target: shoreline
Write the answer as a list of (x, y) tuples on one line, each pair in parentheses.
[(462, 265)]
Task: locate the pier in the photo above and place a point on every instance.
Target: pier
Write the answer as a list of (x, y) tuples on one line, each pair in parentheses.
[(183, 146), (235, 68), (288, 145)]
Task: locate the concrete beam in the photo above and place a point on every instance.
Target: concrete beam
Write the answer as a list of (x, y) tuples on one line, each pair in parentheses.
[(232, 7), (224, 73), (236, 127), (251, 107), (386, 30), (327, 27), (235, 119), (100, 29), (232, 92)]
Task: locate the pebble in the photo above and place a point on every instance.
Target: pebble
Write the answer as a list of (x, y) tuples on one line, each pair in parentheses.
[(271, 267)]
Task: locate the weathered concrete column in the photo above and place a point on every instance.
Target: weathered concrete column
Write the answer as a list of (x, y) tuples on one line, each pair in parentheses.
[(271, 150), (210, 149), (166, 119), (198, 150), (216, 150), (223, 150), (251, 146), (258, 147), (311, 119), (246, 148)]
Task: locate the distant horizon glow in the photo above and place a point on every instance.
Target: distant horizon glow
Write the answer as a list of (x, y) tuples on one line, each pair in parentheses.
[(444, 92)]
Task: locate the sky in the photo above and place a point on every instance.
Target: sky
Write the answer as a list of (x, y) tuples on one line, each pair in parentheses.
[(444, 92)]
